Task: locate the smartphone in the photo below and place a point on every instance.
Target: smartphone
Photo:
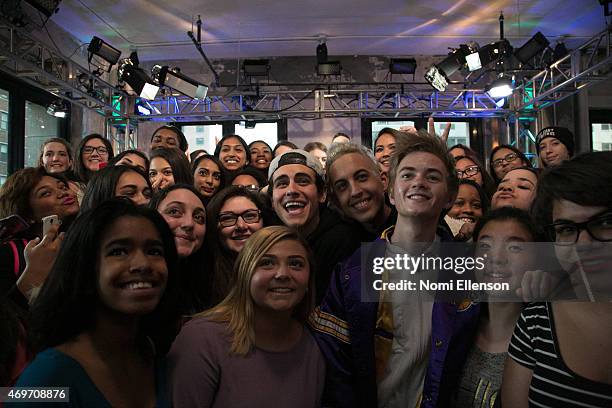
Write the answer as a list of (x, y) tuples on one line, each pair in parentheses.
[(12, 225), (48, 222)]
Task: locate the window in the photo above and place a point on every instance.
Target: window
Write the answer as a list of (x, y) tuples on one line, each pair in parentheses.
[(378, 125), (203, 136), (268, 132), (602, 136), (39, 126), (4, 109)]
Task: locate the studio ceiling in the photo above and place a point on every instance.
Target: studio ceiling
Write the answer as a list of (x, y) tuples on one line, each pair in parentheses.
[(267, 28)]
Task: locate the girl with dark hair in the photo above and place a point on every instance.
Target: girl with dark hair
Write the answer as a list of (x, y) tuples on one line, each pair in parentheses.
[(500, 238), (134, 158), (106, 315), (559, 354), (168, 167), (261, 156), (384, 146), (470, 168), (32, 194), (255, 340), (233, 152), (234, 214), (472, 202), (208, 174), (517, 189), (117, 181), (505, 158), (183, 208), (93, 153)]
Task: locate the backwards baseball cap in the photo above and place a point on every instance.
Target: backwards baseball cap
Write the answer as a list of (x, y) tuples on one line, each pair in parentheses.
[(295, 156), (560, 133)]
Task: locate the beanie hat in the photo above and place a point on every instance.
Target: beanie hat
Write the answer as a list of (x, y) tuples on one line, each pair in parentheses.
[(562, 134)]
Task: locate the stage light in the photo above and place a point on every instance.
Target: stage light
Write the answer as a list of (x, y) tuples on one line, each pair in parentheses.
[(173, 78), (438, 74), (253, 68), (104, 50), (500, 88), (58, 109), (137, 81), (531, 48), (436, 78), (402, 66), (47, 7), (473, 61), (329, 68)]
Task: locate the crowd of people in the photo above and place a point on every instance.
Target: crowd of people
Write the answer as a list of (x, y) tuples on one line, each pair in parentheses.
[(240, 278)]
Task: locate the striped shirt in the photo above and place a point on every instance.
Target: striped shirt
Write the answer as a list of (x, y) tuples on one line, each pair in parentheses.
[(534, 345)]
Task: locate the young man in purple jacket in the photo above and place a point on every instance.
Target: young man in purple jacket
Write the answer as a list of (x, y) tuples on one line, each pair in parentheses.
[(389, 349)]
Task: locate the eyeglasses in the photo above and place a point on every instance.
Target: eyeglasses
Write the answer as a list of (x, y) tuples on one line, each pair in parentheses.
[(229, 219), (90, 150), (599, 228), (468, 172), (509, 158)]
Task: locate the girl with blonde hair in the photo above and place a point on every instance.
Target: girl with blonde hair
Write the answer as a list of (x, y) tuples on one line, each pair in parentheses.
[(253, 347)]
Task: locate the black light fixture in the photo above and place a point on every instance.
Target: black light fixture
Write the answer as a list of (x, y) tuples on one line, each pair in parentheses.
[(438, 74), (47, 7), (325, 67), (138, 82), (58, 109), (253, 68), (173, 78), (531, 48), (104, 50), (402, 66)]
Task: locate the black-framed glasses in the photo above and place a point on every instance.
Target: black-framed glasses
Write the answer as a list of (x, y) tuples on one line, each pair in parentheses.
[(90, 150), (229, 219), (509, 158), (599, 228), (468, 172)]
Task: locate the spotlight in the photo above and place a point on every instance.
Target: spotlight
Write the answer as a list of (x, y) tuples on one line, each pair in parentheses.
[(492, 52), (101, 48), (436, 78), (249, 124), (47, 7), (256, 67), (329, 68), (500, 88), (58, 109), (137, 80), (173, 78), (531, 48), (402, 66), (437, 75)]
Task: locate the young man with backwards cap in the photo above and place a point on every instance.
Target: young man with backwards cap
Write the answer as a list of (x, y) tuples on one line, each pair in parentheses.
[(297, 190), (554, 145)]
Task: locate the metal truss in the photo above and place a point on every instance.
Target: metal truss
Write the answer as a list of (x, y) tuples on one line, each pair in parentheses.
[(374, 101), (23, 56), (582, 67)]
